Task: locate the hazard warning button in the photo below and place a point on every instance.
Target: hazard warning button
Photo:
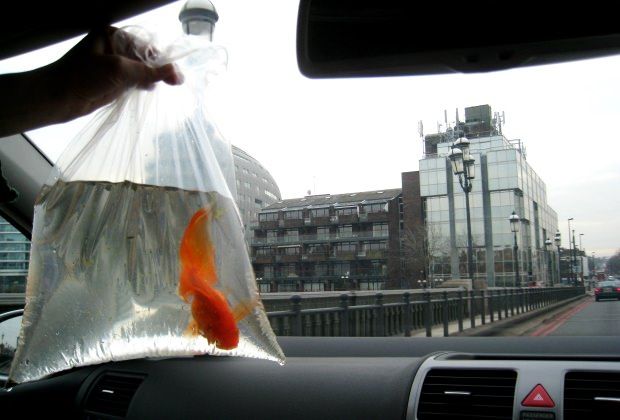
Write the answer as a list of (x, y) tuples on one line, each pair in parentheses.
[(538, 397)]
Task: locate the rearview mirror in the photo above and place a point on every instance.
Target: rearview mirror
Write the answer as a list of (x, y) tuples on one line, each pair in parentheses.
[(383, 38)]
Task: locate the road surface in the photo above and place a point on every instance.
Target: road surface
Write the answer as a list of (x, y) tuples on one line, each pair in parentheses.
[(588, 318)]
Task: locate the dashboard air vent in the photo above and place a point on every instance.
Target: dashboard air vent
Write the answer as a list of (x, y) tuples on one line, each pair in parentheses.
[(591, 395), (111, 395), (467, 394)]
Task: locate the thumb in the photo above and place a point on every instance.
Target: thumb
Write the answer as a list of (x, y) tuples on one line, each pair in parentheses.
[(136, 73)]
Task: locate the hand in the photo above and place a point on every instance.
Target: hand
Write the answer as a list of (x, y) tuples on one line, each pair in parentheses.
[(104, 65), (95, 72)]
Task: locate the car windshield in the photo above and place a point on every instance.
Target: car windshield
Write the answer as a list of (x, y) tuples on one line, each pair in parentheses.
[(348, 185)]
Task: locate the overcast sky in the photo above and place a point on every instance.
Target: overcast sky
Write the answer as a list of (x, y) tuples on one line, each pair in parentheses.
[(337, 136)]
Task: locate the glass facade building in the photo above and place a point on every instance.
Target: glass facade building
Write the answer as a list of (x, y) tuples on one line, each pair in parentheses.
[(14, 256), (504, 182), (256, 189)]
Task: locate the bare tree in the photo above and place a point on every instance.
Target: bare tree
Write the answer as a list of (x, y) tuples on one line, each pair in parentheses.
[(422, 246), (613, 263)]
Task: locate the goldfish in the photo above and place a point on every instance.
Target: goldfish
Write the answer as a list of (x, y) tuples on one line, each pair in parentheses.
[(212, 316)]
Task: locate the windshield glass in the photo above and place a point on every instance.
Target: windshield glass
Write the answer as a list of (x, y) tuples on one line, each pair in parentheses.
[(347, 185)]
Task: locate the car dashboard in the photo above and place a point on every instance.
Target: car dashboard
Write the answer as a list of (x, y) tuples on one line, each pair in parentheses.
[(340, 378)]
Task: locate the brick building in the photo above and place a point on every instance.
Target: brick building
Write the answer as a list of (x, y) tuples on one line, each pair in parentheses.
[(330, 242)]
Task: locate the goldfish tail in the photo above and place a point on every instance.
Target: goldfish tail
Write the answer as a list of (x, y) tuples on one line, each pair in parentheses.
[(245, 308)]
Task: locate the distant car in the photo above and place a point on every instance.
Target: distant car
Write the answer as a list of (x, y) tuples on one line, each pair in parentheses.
[(609, 289)]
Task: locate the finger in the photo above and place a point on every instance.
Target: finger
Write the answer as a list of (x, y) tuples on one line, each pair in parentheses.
[(133, 73), (172, 75)]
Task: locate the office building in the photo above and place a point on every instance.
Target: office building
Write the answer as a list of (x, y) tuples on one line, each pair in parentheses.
[(504, 182), (14, 256), (256, 188)]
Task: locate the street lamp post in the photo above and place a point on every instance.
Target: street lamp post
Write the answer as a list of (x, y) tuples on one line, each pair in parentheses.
[(463, 166), (570, 254), (548, 251), (344, 279), (514, 227), (574, 257), (558, 242), (581, 258)]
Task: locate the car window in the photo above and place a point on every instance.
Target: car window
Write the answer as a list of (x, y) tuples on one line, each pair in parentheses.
[(9, 333), (14, 255), (346, 184)]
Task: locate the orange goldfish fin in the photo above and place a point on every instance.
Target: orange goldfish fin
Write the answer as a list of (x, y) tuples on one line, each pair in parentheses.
[(243, 309), (197, 252), (192, 328)]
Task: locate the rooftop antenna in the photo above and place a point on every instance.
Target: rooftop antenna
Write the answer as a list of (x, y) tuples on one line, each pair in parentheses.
[(445, 117), (499, 121), (421, 129)]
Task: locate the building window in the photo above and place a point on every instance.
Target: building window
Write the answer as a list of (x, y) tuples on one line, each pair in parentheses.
[(272, 236), (345, 231), (268, 271), (380, 230), (341, 269), (324, 212), (293, 214), (268, 217), (322, 233), (263, 250), (375, 246), (291, 250), (291, 235), (321, 270), (316, 249), (374, 208), (270, 195), (288, 270), (346, 211), (314, 287), (344, 247)]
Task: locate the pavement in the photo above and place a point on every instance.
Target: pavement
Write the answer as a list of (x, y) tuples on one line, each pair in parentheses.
[(522, 324)]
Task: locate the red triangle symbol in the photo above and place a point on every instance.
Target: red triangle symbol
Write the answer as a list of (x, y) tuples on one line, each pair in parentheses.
[(538, 397)]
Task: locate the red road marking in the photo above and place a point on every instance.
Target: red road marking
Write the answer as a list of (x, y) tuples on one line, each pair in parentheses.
[(548, 329)]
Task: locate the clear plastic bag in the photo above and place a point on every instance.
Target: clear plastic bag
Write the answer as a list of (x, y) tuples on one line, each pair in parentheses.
[(137, 245)]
